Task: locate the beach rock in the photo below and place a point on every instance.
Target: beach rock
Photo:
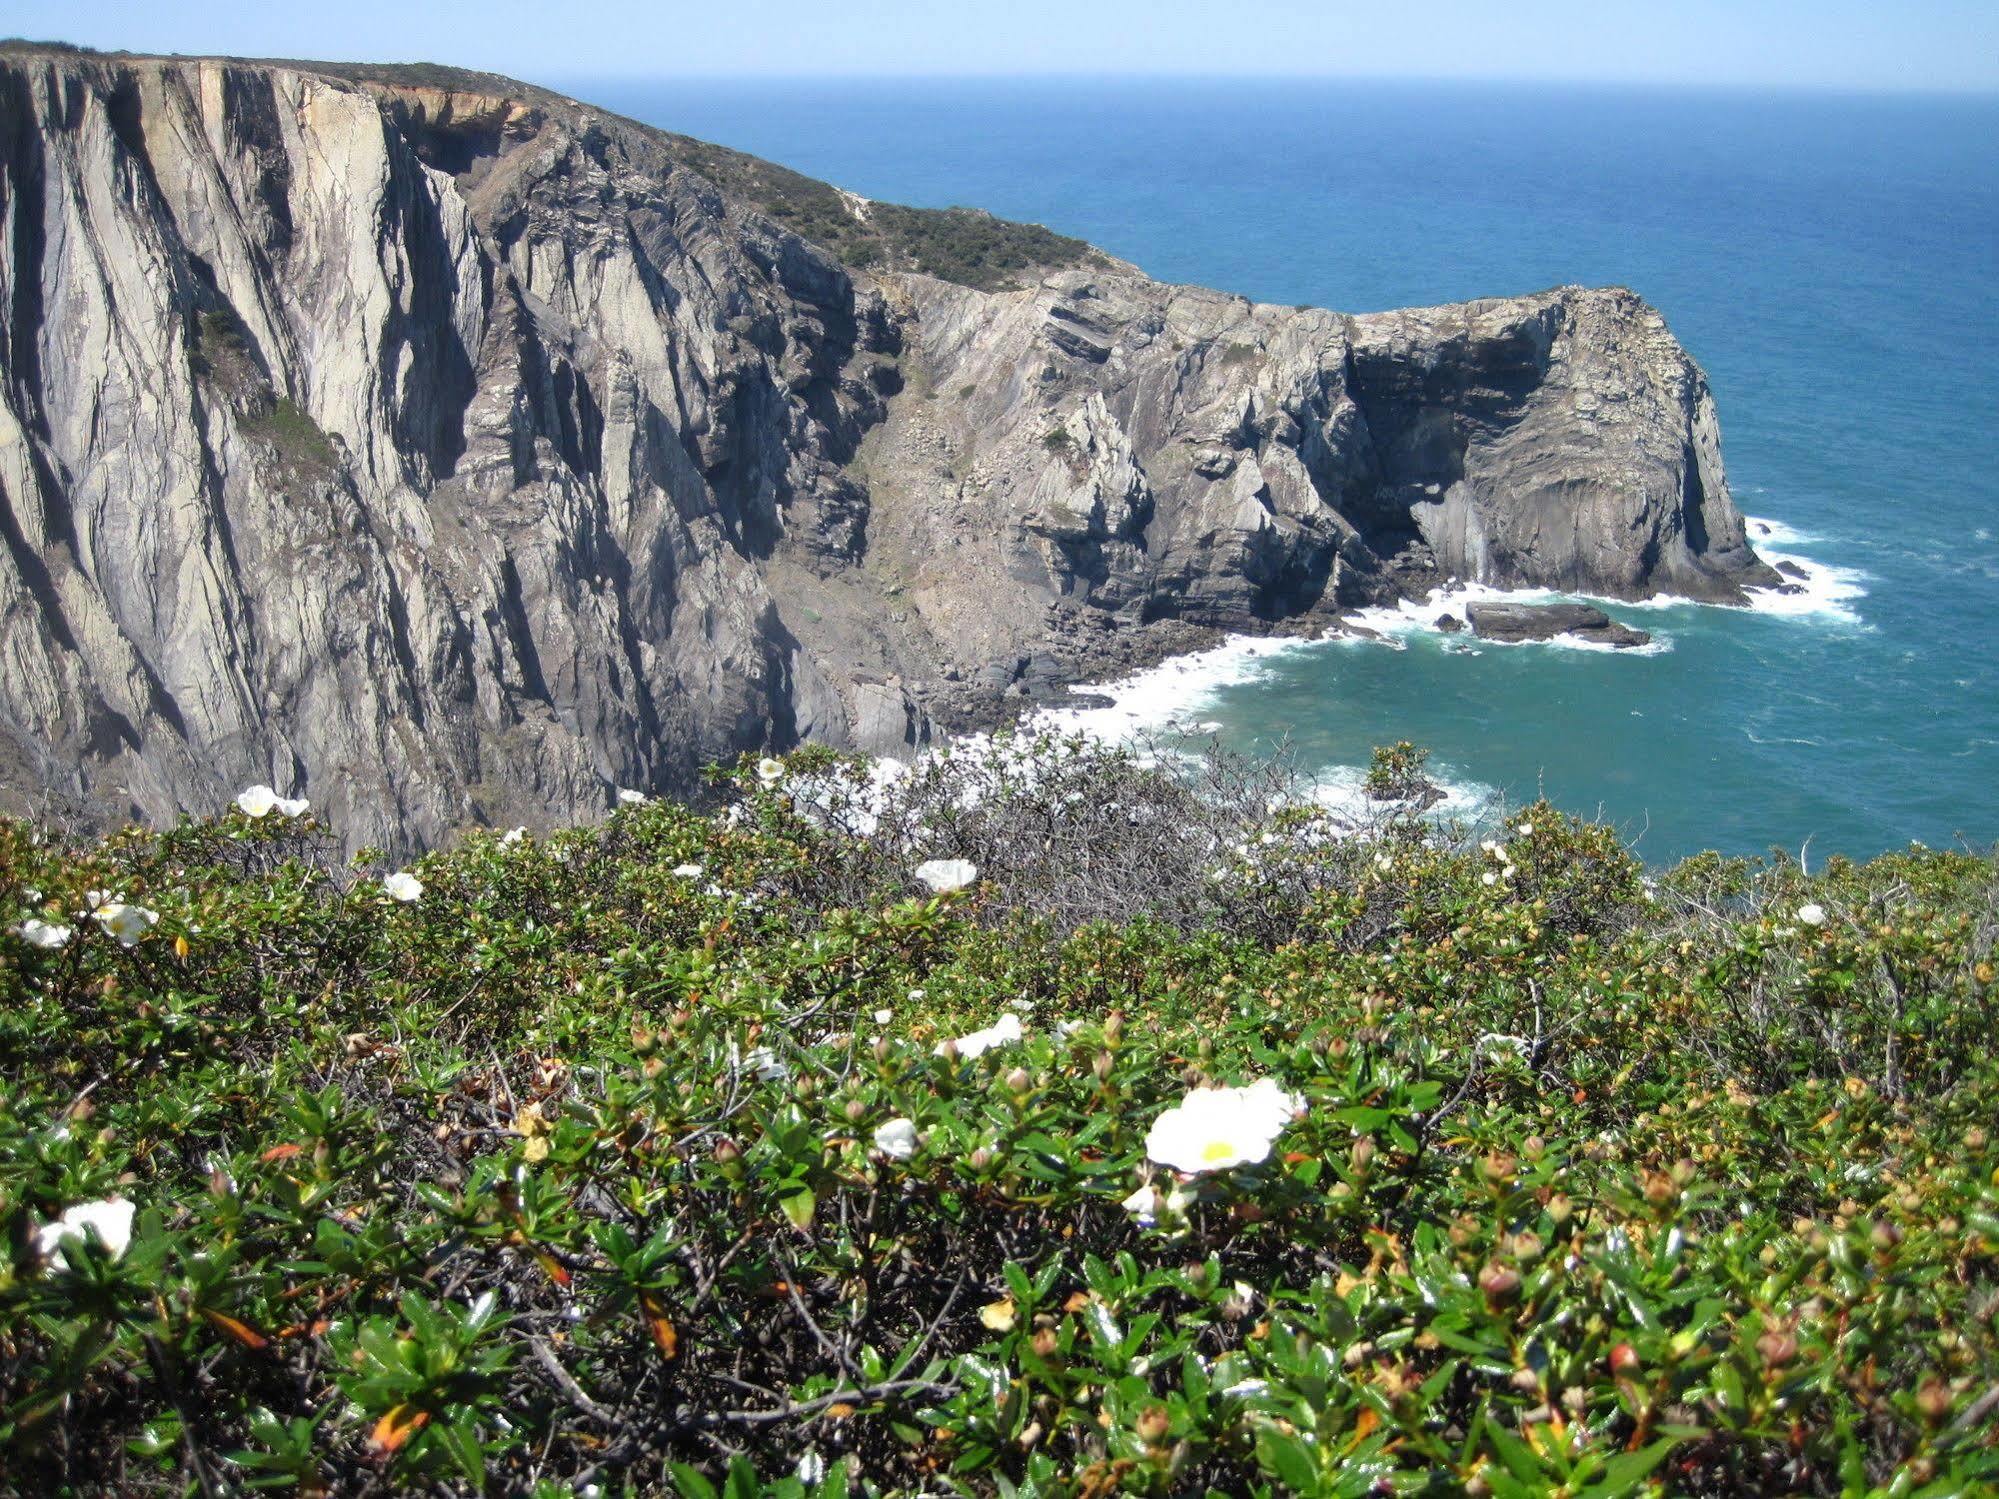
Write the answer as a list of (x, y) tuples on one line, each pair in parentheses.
[(454, 453), (1450, 624), (1514, 623), (1791, 569)]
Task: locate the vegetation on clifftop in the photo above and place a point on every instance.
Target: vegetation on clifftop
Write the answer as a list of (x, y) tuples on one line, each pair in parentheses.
[(635, 1159)]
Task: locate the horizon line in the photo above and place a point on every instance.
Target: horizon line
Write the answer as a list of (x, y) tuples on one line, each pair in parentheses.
[(1790, 87), (1672, 85)]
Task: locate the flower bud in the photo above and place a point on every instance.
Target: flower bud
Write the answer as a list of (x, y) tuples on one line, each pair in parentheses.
[(1886, 1234), (1933, 1400), (727, 1150), (1153, 1424), (1102, 1066), (1501, 1284), (948, 1050), (1045, 1343), (882, 1048), (1778, 1347), (1560, 1209), (1113, 1027), (980, 1159), (1624, 1360), (1498, 1166), (1659, 1189), (855, 1111), (1364, 1152), (1017, 1081)]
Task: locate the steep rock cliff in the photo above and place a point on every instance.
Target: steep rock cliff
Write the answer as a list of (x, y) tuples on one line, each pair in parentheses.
[(454, 453)]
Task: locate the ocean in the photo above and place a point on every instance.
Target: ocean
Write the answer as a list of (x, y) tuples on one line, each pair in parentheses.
[(1831, 260)]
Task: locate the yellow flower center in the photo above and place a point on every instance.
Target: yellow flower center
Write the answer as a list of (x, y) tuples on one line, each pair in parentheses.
[(1217, 1150)]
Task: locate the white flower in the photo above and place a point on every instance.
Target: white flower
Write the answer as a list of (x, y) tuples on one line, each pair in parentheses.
[(945, 875), (1488, 878), (110, 1220), (631, 798), (897, 1139), (1812, 914), (770, 771), (92, 899), (1382, 861), (688, 871), (1212, 1129), (256, 801), (766, 1066), (999, 1033), (1492, 847), (262, 801), (512, 836), (127, 923), (883, 1017), (1525, 830), (811, 1468), (1143, 1205), (39, 933), (403, 886)]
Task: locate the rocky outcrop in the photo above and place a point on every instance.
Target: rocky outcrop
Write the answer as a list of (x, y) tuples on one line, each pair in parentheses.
[(1513, 624), (454, 453)]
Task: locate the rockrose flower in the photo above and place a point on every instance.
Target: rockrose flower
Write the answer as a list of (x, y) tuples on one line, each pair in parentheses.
[(262, 801), (513, 836), (770, 771), (1002, 1031), (402, 886), (946, 875), (688, 871), (110, 1220), (1148, 1204), (1812, 914), (897, 1139), (39, 933), (1212, 1129), (631, 798), (125, 922)]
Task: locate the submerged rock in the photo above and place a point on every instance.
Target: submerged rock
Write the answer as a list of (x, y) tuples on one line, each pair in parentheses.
[(1514, 623)]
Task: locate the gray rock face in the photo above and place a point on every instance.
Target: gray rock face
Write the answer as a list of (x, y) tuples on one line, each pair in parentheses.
[(456, 455), (1514, 623)]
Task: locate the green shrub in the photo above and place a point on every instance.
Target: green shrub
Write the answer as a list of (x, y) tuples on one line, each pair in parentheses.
[(633, 1158)]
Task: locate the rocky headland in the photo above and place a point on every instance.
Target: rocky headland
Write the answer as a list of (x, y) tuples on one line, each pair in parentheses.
[(456, 453)]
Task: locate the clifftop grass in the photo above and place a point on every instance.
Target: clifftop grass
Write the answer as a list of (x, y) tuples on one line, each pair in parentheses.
[(629, 1159)]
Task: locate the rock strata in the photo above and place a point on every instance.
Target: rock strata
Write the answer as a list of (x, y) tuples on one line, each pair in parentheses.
[(454, 453)]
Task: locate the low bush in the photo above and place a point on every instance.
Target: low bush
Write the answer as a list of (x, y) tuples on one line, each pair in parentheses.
[(858, 1138)]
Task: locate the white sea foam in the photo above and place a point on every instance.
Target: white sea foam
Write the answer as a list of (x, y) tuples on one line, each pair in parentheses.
[(1825, 589), (1394, 623), (1778, 533), (1175, 695)]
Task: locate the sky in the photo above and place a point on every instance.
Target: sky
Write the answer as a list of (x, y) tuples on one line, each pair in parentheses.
[(1899, 45)]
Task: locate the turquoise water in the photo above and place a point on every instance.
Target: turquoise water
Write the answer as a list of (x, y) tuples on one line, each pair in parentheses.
[(1832, 261)]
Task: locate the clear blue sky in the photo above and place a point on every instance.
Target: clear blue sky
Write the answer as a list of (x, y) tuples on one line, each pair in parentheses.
[(1849, 44)]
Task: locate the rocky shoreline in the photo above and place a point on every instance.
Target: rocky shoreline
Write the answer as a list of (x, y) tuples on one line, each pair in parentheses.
[(455, 453)]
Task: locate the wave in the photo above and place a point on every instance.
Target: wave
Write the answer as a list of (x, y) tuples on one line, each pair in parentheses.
[(1823, 589), (1175, 695), (1762, 528), (1396, 622)]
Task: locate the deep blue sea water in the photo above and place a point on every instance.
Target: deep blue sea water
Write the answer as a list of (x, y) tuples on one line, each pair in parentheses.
[(1832, 261)]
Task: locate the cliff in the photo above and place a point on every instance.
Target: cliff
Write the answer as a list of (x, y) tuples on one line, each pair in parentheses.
[(452, 452)]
